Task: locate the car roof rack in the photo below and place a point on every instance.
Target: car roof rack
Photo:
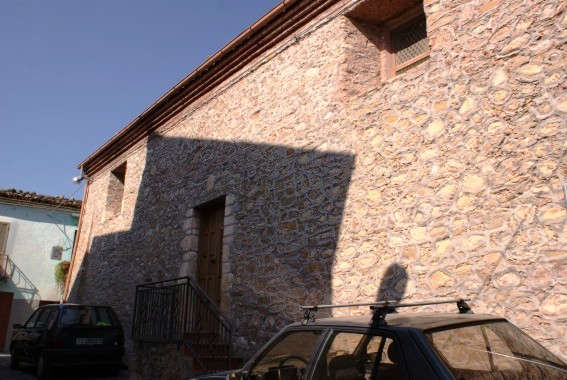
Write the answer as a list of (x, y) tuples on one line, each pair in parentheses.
[(382, 308)]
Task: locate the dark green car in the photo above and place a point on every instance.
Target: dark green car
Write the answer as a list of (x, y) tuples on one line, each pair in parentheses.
[(67, 335), (400, 346)]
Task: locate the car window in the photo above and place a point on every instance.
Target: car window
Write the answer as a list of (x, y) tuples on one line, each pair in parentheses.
[(356, 356), (494, 350), (100, 316), (288, 358), (33, 319), (86, 316), (45, 318)]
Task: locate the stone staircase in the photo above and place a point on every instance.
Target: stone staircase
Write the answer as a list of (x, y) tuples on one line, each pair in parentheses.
[(208, 355), (179, 311)]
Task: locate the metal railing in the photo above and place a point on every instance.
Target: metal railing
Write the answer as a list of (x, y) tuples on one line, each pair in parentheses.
[(179, 311)]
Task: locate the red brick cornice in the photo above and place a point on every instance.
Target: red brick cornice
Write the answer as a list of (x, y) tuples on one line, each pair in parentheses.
[(279, 23)]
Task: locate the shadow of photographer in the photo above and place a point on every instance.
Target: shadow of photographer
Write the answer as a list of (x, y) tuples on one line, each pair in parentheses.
[(393, 284)]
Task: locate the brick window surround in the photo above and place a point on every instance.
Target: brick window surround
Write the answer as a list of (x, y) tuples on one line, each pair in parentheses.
[(116, 191)]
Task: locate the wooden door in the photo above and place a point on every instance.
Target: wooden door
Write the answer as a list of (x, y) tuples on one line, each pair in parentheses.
[(5, 310), (210, 249)]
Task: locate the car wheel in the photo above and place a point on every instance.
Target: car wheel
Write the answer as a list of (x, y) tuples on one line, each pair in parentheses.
[(43, 369), (14, 361)]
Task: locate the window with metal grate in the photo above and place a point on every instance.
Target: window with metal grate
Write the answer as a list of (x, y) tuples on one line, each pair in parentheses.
[(409, 44), (398, 29)]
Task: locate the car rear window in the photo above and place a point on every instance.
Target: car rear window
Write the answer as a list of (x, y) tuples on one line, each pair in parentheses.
[(86, 316), (495, 350)]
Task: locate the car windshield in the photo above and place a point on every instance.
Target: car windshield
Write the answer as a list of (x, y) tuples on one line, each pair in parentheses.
[(86, 316), (288, 357), (494, 350)]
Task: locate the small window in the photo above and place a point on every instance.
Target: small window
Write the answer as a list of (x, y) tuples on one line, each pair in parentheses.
[(398, 29), (410, 45), (56, 252), (116, 190), (405, 43), (4, 229)]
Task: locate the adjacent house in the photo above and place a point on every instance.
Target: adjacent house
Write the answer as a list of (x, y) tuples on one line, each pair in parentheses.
[(37, 233), (342, 151)]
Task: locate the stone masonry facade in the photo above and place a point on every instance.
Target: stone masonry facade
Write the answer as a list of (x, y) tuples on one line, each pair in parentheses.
[(340, 186)]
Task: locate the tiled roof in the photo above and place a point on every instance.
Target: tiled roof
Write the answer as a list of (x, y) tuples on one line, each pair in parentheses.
[(30, 197)]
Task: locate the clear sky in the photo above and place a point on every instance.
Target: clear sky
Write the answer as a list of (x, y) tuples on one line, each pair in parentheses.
[(73, 73)]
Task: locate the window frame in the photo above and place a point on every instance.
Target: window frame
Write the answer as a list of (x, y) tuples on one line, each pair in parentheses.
[(98, 316), (4, 242), (389, 68), (46, 318), (332, 333), (32, 320), (116, 190), (261, 354)]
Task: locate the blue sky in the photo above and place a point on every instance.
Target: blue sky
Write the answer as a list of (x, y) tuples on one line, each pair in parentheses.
[(73, 73)]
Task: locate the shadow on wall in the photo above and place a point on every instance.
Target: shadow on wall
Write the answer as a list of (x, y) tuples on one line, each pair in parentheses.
[(21, 284), (26, 297), (393, 284), (284, 217)]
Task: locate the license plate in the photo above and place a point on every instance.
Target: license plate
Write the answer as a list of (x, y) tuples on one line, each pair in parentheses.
[(88, 341)]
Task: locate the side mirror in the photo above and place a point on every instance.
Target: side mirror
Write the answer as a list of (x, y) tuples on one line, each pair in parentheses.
[(17, 326)]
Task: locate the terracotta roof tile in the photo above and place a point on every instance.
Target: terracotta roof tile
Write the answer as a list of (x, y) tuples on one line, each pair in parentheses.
[(25, 196)]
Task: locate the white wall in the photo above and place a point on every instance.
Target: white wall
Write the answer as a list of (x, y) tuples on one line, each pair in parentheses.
[(34, 231)]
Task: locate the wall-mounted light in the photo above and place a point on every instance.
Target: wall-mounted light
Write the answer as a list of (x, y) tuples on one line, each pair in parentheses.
[(79, 179)]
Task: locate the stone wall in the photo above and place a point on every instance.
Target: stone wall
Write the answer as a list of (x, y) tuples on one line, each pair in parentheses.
[(443, 181), (162, 361)]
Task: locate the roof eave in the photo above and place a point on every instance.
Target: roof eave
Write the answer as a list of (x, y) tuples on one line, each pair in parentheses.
[(26, 203), (277, 24)]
